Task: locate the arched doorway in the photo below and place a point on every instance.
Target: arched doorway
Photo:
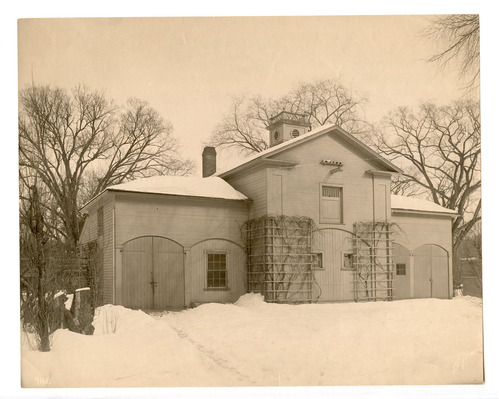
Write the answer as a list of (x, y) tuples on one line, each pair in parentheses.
[(431, 272), (153, 273)]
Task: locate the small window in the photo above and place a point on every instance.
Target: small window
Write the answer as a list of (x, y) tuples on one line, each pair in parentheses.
[(216, 276), (331, 192), (295, 133), (348, 263), (331, 206), (401, 269), (100, 221), (276, 135), (317, 261)]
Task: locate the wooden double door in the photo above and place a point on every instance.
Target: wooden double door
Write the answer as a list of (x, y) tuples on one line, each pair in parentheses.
[(153, 274), (421, 274), (431, 272)]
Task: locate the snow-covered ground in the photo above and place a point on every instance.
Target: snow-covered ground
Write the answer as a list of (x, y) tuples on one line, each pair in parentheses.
[(253, 343)]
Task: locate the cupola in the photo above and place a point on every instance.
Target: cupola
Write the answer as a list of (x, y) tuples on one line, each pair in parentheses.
[(287, 126)]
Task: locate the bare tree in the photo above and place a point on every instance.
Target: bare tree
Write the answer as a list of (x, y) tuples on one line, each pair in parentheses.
[(476, 264), (459, 36), (36, 241), (439, 148), (324, 101), (76, 144), (242, 128)]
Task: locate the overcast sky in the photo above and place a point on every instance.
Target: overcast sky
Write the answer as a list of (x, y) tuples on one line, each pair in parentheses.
[(188, 68)]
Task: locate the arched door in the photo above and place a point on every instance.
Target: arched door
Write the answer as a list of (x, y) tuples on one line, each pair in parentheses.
[(431, 272), (153, 273)]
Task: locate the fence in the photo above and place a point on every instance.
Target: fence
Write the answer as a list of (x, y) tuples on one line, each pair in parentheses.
[(66, 272)]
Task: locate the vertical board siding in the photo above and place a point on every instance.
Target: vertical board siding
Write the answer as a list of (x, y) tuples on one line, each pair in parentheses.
[(153, 274), (402, 284), (168, 269), (335, 284), (236, 269), (422, 272), (431, 272), (137, 273), (439, 273)]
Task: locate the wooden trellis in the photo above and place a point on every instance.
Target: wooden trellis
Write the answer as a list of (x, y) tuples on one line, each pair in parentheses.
[(280, 259), (373, 261)]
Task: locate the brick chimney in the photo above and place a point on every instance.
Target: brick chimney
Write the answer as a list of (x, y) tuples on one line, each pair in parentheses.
[(209, 161)]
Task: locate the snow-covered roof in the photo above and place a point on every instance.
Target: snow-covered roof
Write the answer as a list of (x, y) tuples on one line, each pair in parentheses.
[(191, 186), (314, 132), (399, 202)]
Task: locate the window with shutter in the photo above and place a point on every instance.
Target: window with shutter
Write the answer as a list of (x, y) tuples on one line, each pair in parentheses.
[(331, 207)]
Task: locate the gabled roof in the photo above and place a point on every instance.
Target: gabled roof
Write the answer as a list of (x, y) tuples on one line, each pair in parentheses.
[(411, 204), (314, 133), (188, 186)]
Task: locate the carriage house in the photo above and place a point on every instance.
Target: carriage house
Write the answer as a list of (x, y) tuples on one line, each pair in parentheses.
[(309, 219)]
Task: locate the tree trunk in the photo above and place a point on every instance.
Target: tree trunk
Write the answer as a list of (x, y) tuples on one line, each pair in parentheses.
[(41, 265), (43, 328), (456, 264)]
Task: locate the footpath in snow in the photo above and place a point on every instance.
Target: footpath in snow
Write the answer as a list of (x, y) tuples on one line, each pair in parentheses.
[(253, 343)]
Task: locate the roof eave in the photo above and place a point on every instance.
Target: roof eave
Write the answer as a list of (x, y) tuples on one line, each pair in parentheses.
[(258, 161), (390, 166), (179, 195), (380, 172), (423, 212), (89, 202)]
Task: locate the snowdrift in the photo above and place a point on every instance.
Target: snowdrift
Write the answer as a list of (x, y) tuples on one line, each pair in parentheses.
[(110, 319), (252, 343)]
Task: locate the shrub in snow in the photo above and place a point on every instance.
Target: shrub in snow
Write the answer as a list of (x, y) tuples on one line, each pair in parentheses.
[(82, 311), (110, 319), (52, 314), (250, 299)]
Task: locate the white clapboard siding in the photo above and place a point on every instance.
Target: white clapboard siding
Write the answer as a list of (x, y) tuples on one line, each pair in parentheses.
[(413, 230), (182, 219), (105, 242), (236, 260), (301, 185), (381, 195), (402, 283), (253, 184), (275, 198)]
